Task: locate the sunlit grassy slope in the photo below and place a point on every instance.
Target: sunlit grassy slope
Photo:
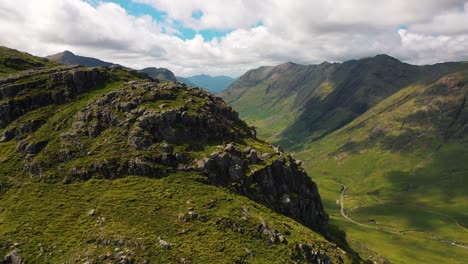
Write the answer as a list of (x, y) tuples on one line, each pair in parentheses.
[(51, 222), (395, 134), (404, 162)]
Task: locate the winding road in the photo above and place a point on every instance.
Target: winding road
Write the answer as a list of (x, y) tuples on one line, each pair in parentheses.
[(343, 213)]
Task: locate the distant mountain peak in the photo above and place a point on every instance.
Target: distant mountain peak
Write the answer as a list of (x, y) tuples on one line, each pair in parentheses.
[(160, 73), (384, 57), (69, 58), (67, 52)]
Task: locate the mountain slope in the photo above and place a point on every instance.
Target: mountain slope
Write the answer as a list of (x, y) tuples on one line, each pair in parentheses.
[(160, 73), (404, 162), (214, 84), (394, 134), (68, 58), (185, 80), (12, 61), (292, 104), (100, 165)]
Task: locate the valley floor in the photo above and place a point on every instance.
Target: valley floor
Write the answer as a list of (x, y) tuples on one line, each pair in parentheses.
[(372, 226)]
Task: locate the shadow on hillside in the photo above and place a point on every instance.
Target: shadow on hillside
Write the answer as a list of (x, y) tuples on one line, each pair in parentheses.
[(418, 197), (339, 238)]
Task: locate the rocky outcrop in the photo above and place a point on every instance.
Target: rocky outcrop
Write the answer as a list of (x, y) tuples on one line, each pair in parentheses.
[(280, 183), (24, 93), (13, 258), (309, 254), (151, 128)]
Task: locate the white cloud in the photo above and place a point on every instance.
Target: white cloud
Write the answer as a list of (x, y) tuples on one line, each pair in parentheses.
[(307, 31)]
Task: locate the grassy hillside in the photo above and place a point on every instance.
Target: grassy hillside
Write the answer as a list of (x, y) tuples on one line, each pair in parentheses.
[(13, 61), (100, 166), (395, 134), (292, 104), (52, 223), (404, 162)]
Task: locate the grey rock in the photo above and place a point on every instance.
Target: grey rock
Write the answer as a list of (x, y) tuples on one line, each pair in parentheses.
[(265, 156), (92, 212), (164, 244), (253, 156), (13, 258)]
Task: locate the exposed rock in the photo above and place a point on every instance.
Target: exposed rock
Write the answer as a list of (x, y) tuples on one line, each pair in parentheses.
[(92, 212), (265, 156), (274, 183), (307, 253), (253, 131), (252, 156), (13, 258), (273, 235), (67, 83), (164, 244)]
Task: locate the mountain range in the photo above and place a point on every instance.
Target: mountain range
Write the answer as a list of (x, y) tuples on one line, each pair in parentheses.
[(68, 58), (394, 134), (214, 84)]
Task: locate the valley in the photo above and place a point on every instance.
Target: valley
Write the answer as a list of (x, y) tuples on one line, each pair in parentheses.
[(401, 158)]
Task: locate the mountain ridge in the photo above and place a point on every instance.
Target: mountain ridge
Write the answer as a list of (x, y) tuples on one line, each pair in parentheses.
[(69, 58), (324, 97)]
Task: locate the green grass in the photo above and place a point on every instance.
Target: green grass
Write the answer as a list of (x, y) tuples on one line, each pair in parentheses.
[(12, 61), (268, 115), (137, 210)]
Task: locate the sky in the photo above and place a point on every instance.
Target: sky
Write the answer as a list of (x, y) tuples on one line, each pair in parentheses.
[(229, 37)]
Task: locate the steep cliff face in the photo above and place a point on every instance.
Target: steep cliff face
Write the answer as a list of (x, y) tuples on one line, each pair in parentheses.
[(275, 180)]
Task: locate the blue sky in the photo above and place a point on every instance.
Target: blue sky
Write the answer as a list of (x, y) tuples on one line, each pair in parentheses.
[(139, 9)]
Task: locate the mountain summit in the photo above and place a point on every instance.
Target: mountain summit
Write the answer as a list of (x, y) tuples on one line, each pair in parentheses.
[(68, 58)]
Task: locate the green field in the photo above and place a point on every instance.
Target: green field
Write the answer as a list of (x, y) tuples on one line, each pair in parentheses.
[(130, 215), (416, 202)]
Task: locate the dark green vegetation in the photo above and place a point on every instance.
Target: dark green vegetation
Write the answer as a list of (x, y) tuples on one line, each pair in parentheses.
[(99, 165), (214, 84), (395, 134), (160, 73)]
